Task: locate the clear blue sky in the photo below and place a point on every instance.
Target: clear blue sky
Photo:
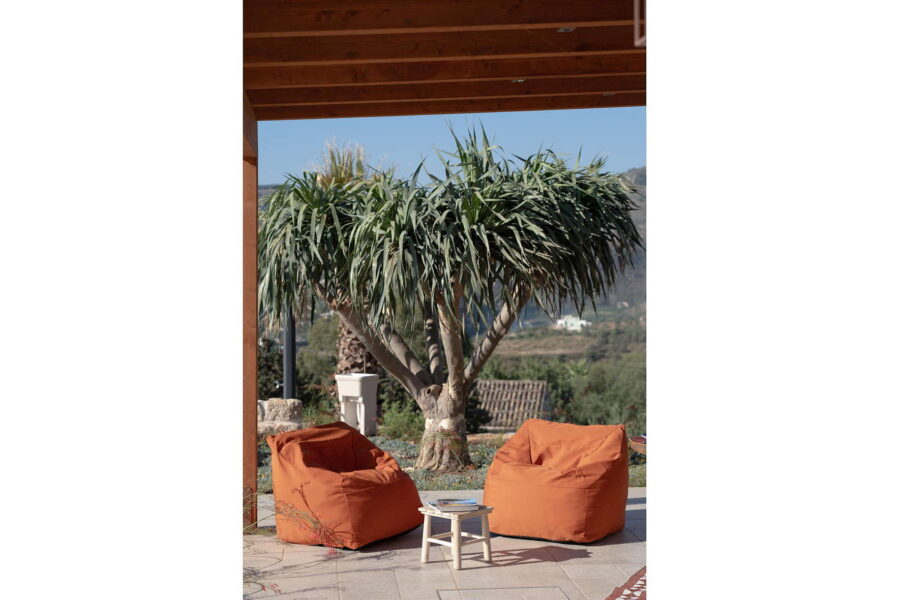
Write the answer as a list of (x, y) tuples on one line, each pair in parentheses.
[(294, 146)]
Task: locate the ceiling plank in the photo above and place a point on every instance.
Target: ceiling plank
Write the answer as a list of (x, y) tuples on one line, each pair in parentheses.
[(434, 91), (422, 47), (469, 70), (274, 18), (325, 111)]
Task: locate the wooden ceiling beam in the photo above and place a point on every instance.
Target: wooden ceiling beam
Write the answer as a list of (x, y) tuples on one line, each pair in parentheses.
[(424, 47), (279, 18), (439, 107), (446, 71), (438, 91)]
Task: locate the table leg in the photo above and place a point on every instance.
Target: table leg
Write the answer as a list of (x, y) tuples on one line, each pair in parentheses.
[(426, 533), (457, 547), (486, 534)]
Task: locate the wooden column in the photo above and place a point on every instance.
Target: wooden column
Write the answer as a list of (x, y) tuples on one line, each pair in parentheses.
[(249, 312)]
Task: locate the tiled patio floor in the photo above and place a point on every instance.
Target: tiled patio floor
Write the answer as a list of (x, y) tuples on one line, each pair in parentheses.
[(390, 570)]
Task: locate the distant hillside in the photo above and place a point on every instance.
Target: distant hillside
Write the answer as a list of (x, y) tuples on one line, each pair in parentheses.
[(632, 288), (636, 176), (264, 190)]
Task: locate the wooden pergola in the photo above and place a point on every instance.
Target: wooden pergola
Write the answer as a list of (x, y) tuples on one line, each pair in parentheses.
[(310, 59)]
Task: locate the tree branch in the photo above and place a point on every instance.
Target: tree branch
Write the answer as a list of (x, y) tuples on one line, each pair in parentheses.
[(382, 354), (402, 351), (451, 339), (435, 365), (499, 328)]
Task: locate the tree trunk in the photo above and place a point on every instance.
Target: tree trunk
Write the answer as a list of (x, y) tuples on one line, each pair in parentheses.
[(352, 354), (444, 446)]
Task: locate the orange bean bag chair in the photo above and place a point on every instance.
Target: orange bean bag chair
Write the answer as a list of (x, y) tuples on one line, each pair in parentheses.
[(561, 482), (333, 487)]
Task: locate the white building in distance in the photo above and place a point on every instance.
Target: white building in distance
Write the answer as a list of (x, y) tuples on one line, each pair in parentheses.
[(571, 323)]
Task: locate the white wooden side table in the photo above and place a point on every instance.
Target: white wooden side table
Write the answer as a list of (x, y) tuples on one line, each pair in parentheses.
[(456, 534)]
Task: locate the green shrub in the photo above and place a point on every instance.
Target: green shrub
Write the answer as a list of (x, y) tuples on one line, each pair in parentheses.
[(472, 479), (268, 370), (401, 421), (613, 342), (637, 476), (404, 453), (482, 454), (319, 414), (323, 335), (263, 466), (613, 392), (314, 372), (391, 391)]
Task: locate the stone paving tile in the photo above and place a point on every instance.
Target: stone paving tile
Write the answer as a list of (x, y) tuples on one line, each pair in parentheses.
[(516, 593), (421, 581), (391, 570), (286, 585), (262, 544), (506, 552), (265, 510), (378, 584), (632, 553), (521, 565), (595, 580), (638, 529)]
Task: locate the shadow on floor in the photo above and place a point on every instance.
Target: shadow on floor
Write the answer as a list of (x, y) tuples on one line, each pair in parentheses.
[(525, 556)]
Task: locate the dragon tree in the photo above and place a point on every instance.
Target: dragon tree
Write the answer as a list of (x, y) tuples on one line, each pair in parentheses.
[(463, 252)]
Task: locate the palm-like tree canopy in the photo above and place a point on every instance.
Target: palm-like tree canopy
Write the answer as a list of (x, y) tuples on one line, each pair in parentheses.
[(492, 231)]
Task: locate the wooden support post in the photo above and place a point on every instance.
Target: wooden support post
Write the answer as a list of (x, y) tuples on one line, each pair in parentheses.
[(249, 312)]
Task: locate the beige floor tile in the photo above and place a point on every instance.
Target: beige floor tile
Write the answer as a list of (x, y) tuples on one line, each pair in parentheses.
[(289, 585), (577, 572), (620, 537), (374, 584), (597, 589), (423, 580), (514, 593), (427, 592), (254, 544), (374, 561), (486, 575), (597, 580), (630, 554)]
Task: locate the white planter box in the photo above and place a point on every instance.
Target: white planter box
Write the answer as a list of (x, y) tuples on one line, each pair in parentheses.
[(358, 395), (357, 384)]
